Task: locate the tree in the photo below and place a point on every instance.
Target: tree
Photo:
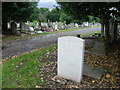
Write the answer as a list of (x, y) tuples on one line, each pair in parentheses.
[(104, 11), (54, 15), (41, 15), (92, 19), (65, 17), (17, 12)]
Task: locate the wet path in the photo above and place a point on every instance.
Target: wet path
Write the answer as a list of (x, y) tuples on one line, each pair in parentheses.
[(21, 46)]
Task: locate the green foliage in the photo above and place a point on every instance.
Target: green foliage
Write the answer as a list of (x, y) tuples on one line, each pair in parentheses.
[(18, 11), (90, 34), (102, 10), (40, 14), (35, 21), (83, 9), (65, 17), (43, 14), (54, 15), (92, 19)]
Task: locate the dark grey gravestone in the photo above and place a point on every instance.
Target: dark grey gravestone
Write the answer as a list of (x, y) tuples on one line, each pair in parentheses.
[(99, 48), (99, 52), (93, 72), (99, 43)]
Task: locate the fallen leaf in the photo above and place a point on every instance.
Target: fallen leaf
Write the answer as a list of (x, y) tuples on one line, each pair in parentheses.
[(19, 85), (93, 81), (37, 86), (107, 76), (28, 84)]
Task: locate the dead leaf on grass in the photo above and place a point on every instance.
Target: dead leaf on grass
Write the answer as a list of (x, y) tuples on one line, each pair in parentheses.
[(107, 76), (93, 81), (37, 86), (19, 85)]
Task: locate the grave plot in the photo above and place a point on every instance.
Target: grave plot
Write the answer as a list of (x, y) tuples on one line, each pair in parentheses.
[(70, 58), (93, 72)]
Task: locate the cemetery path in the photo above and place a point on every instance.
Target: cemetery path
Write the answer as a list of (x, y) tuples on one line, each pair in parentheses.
[(18, 47)]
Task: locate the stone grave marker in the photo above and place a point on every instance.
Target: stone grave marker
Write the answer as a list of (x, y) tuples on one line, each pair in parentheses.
[(14, 27), (24, 26), (31, 29), (70, 58), (56, 27)]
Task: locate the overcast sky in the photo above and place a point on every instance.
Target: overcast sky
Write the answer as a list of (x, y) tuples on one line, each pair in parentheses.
[(47, 4)]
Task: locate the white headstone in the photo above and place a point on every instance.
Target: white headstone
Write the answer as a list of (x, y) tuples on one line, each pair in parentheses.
[(18, 25), (9, 25), (76, 25), (70, 58), (85, 24), (39, 32), (31, 29), (56, 27)]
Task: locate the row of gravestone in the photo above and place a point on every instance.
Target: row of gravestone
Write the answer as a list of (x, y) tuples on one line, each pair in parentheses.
[(32, 28)]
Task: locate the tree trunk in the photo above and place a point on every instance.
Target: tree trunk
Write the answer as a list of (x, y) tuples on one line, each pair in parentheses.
[(115, 31), (4, 27), (111, 21), (107, 34), (102, 29), (40, 24), (20, 25), (102, 26)]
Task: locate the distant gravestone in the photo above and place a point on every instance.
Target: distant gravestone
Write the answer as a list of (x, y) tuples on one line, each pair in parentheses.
[(39, 32), (14, 27), (31, 29), (56, 27), (70, 58), (24, 26)]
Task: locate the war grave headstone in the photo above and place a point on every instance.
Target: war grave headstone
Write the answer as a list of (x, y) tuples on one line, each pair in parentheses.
[(70, 58)]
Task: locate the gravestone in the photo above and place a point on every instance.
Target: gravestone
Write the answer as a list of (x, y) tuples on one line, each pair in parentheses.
[(31, 29), (76, 25), (70, 58), (24, 26), (56, 27), (39, 32), (9, 25), (85, 24), (14, 27)]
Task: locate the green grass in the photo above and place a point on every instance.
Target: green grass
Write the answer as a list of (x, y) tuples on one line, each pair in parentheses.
[(90, 34), (13, 38), (0, 78), (26, 76)]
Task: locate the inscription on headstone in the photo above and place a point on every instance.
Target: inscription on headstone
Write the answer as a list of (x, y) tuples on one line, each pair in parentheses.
[(70, 58)]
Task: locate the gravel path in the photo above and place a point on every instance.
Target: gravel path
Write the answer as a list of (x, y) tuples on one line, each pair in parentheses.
[(21, 46)]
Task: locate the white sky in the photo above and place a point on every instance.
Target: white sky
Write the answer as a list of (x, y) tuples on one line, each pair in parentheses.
[(47, 4), (47, 1)]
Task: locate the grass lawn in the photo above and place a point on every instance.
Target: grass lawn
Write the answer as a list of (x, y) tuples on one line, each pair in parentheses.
[(23, 71), (90, 34), (14, 37)]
